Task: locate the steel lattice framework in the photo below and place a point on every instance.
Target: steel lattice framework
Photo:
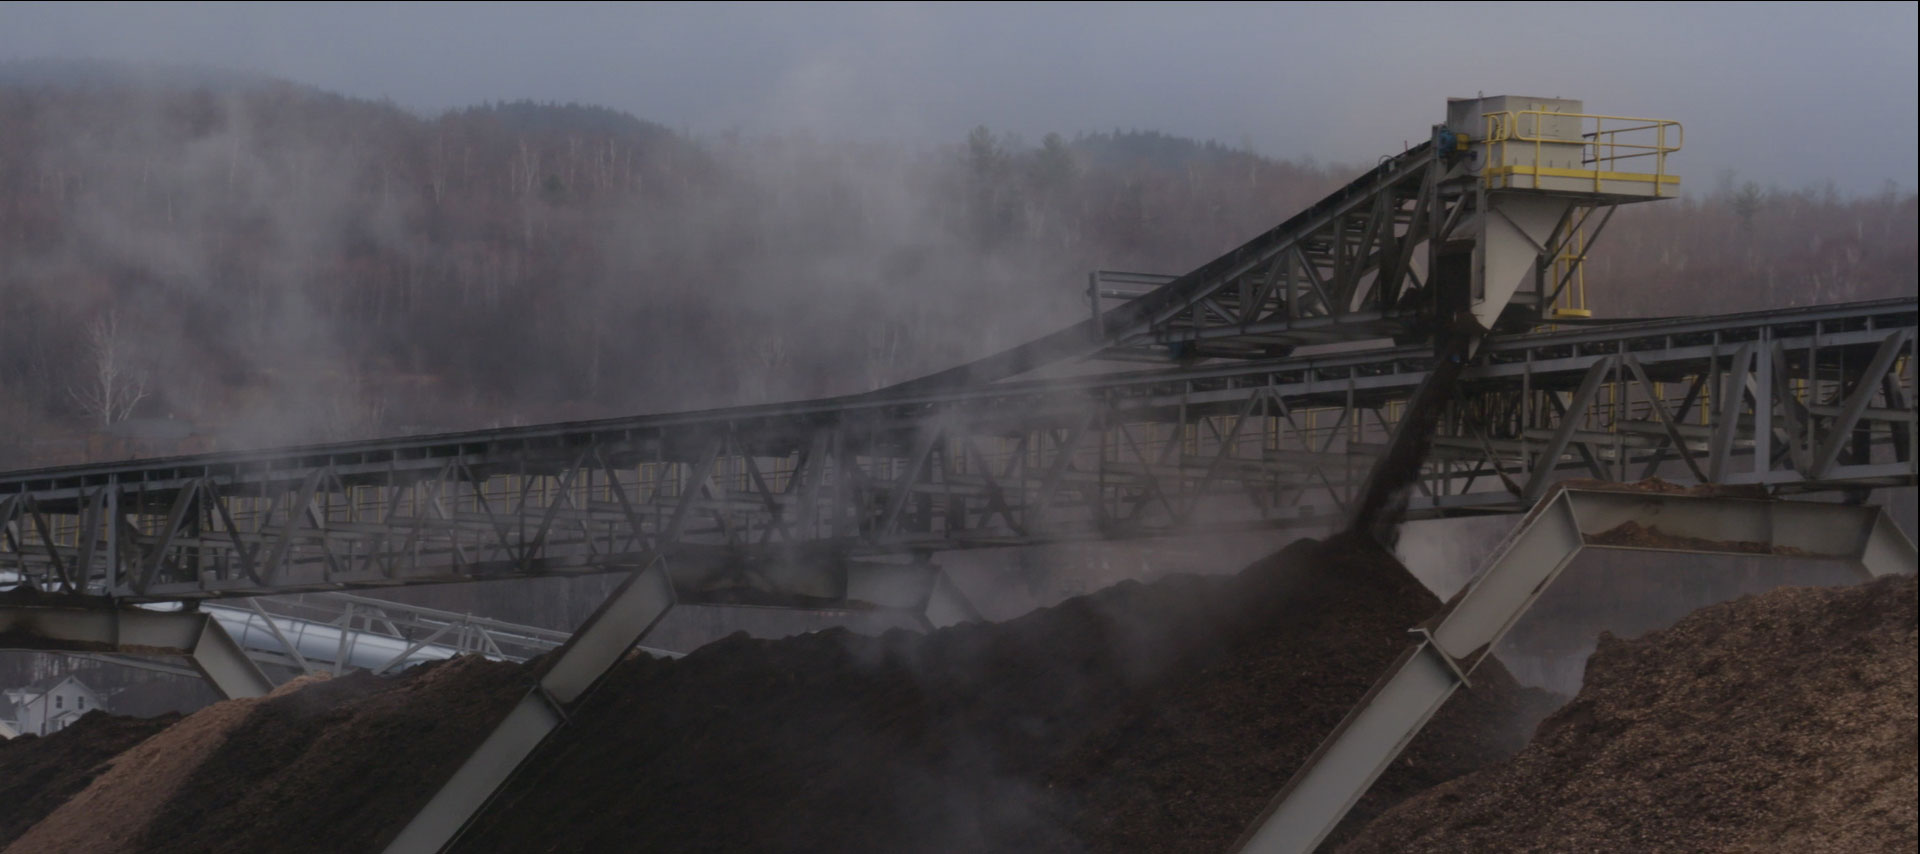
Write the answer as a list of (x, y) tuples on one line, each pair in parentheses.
[(822, 500), (333, 632)]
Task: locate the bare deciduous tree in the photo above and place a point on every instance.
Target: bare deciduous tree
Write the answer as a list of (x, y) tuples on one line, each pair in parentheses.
[(885, 342), (770, 363), (113, 381)]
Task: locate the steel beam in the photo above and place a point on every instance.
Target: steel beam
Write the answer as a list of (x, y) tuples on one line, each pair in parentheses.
[(82, 628), (622, 621), (924, 591)]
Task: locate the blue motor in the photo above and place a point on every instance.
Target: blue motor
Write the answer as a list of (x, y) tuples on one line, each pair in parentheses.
[(1447, 141)]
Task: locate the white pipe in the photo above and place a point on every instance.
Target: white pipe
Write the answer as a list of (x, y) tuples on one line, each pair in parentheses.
[(320, 642)]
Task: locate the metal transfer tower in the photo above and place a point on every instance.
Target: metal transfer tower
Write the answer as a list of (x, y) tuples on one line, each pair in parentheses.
[(1539, 168)]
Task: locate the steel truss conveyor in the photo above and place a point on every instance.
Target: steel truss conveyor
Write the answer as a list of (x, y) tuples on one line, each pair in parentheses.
[(832, 499), (1480, 230)]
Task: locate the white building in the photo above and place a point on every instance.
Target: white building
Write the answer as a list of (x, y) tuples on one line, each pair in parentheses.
[(51, 705)]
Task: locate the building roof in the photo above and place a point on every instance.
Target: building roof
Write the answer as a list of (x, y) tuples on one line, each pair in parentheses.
[(43, 686)]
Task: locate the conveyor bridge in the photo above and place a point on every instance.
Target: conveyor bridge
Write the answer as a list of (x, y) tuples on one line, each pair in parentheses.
[(1816, 399)]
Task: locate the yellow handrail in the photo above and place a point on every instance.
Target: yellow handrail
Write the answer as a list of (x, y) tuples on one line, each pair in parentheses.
[(1601, 146)]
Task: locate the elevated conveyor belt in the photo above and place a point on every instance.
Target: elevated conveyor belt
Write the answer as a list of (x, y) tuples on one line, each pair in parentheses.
[(1279, 257), (814, 501), (1486, 226), (808, 502)]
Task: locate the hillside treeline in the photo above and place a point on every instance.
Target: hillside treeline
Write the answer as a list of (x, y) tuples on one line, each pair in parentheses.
[(252, 263)]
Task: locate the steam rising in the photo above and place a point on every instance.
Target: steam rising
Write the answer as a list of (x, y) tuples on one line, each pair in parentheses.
[(291, 265)]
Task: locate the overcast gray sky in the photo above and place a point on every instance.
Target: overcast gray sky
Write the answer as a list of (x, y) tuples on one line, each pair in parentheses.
[(1785, 94)]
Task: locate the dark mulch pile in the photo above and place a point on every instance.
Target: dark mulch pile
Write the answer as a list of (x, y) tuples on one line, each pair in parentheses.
[(1634, 534), (1780, 722), (1156, 717), (38, 774), (337, 765), (1203, 751)]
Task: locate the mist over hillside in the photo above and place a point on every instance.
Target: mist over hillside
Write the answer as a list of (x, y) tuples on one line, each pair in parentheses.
[(221, 260)]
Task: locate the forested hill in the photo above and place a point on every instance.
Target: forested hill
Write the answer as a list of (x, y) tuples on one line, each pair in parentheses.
[(244, 261)]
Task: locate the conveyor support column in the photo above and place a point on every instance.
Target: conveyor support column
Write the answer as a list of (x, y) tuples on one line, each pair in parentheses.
[(1448, 647)]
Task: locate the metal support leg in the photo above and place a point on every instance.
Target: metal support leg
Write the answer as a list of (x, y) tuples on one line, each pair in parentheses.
[(946, 605), (1887, 550), (137, 631), (1466, 630), (622, 621), (922, 588), (224, 664)]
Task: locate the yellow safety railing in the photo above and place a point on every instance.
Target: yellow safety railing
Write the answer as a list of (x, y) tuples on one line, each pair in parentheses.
[(1607, 144), (1570, 276)]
